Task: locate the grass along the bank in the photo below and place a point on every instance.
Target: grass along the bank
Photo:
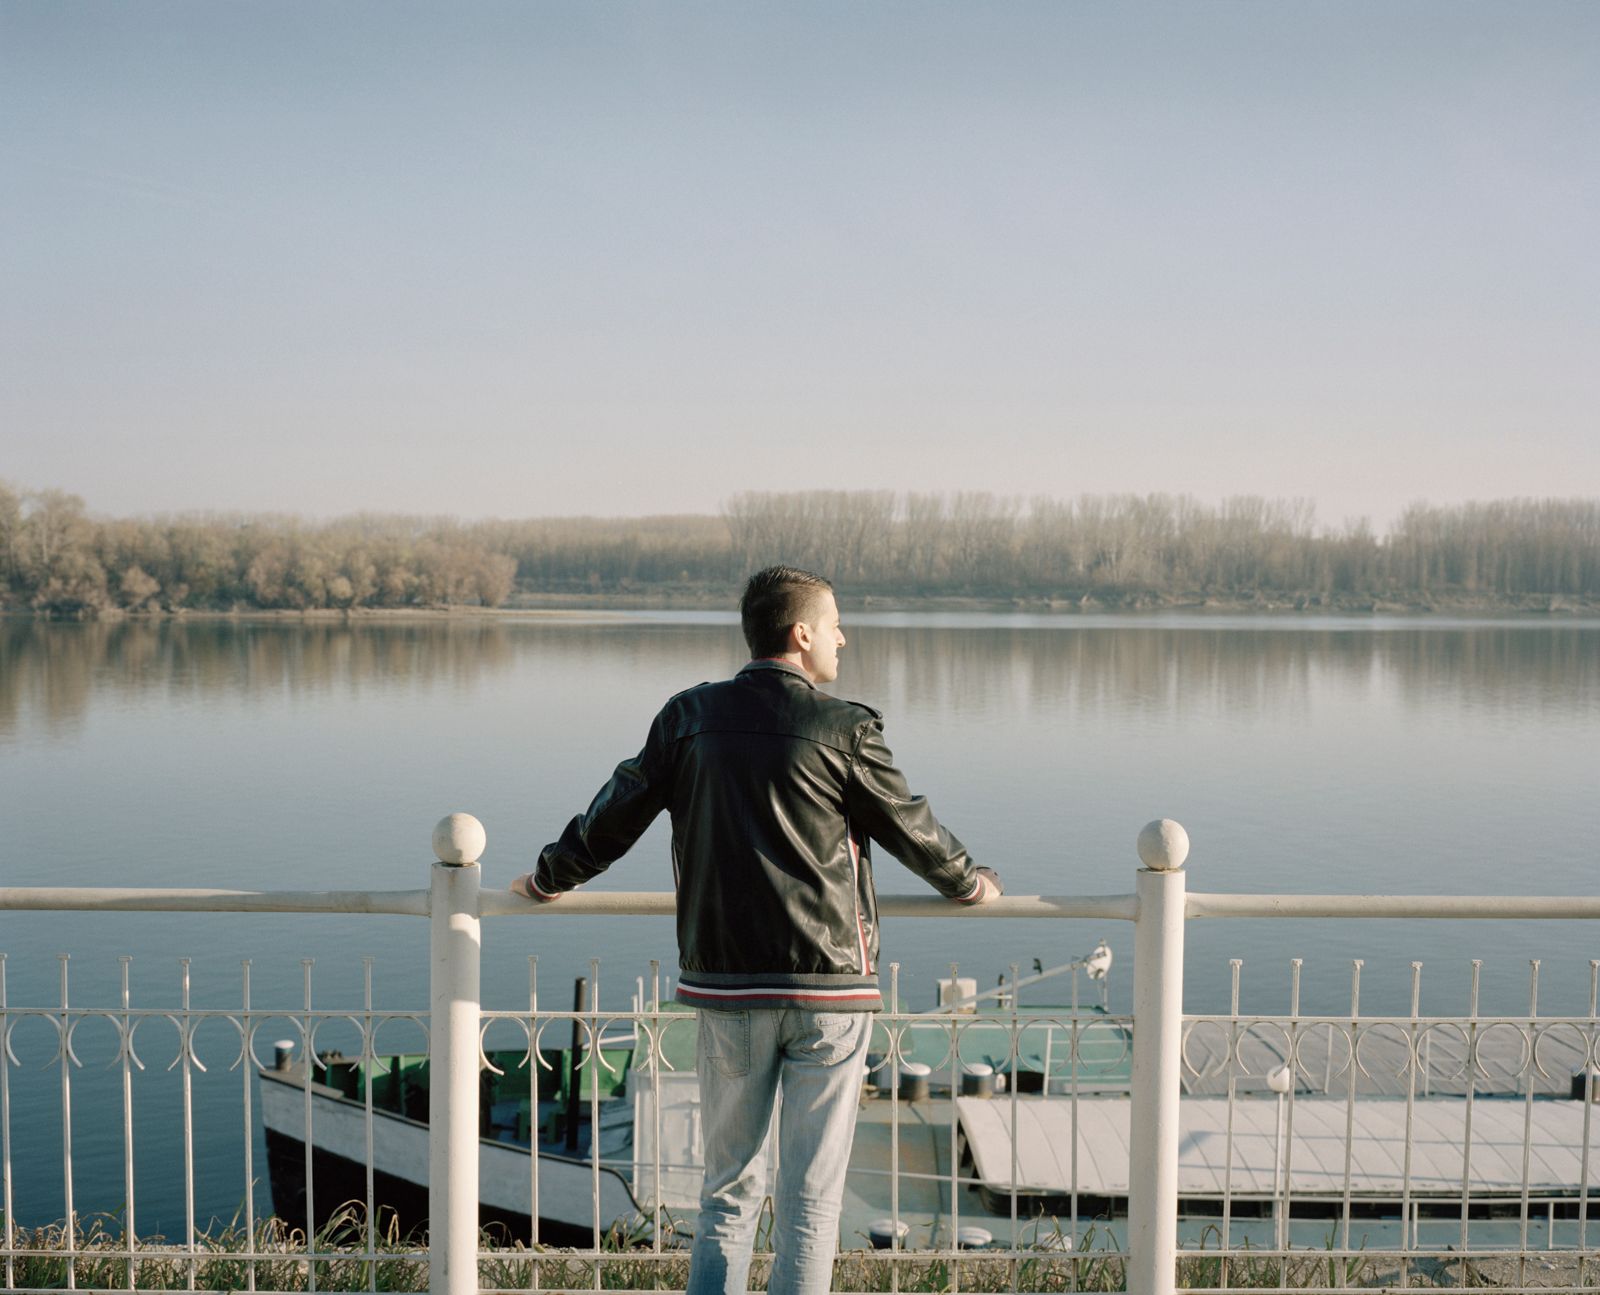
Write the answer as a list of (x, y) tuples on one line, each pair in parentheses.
[(268, 1256), (271, 1256)]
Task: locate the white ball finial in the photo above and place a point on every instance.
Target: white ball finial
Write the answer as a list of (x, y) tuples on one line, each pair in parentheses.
[(1163, 845), (459, 838)]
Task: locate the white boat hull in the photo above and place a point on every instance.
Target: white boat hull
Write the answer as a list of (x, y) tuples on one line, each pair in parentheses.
[(573, 1196)]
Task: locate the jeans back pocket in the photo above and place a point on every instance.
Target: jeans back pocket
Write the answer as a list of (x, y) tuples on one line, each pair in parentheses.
[(724, 1042), (828, 1038)]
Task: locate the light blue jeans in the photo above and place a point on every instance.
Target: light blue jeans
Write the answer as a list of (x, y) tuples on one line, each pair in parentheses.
[(818, 1060)]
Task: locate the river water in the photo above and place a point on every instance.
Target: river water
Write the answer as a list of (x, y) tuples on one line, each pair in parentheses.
[(1352, 755)]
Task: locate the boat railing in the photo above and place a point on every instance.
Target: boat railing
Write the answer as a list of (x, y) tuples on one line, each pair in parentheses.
[(1061, 1147)]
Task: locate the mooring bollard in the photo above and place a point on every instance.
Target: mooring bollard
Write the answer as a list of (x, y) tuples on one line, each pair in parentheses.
[(453, 969), (1157, 1058)]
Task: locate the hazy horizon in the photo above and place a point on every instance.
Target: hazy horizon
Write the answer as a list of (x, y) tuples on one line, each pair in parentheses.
[(626, 260)]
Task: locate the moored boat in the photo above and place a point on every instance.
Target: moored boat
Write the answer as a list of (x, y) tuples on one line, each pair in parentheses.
[(575, 1146)]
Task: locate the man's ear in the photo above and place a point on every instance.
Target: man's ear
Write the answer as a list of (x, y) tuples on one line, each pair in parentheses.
[(800, 637)]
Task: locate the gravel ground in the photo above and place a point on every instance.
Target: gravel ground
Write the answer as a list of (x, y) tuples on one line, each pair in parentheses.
[(1493, 1272)]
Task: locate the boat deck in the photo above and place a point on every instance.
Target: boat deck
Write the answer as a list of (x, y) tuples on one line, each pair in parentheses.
[(1223, 1155), (925, 1188)]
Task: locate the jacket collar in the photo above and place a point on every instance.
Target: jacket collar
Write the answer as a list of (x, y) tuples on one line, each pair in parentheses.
[(773, 663)]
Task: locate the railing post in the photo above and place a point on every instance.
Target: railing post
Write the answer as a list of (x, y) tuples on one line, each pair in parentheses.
[(1157, 1057), (453, 968)]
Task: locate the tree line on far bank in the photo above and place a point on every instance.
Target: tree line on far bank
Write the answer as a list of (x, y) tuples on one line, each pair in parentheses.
[(58, 559)]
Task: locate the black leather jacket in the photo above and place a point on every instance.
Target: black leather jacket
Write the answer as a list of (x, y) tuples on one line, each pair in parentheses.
[(776, 791)]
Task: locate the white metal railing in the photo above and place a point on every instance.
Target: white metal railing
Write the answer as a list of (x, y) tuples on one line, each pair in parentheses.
[(1255, 1076)]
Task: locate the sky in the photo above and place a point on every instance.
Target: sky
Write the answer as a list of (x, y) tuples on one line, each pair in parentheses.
[(517, 259)]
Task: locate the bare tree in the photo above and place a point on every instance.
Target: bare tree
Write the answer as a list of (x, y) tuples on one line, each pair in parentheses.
[(10, 536), (136, 588), (923, 537)]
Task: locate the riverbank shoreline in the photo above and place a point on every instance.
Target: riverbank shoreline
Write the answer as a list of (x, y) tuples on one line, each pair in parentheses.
[(561, 605), (1541, 606)]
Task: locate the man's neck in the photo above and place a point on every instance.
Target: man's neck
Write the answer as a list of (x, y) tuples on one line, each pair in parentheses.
[(787, 658)]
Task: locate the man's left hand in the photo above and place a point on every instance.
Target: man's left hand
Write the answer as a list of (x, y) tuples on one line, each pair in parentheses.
[(524, 886), (992, 887)]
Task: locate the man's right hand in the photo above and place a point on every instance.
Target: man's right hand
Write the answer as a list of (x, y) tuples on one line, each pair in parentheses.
[(992, 887)]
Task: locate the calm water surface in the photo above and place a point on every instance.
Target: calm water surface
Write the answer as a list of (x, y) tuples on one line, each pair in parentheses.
[(1307, 755)]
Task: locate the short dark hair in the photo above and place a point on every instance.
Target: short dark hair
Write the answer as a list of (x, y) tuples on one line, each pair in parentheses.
[(774, 599)]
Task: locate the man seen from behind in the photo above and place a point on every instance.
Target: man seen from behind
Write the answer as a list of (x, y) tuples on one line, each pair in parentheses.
[(776, 791)]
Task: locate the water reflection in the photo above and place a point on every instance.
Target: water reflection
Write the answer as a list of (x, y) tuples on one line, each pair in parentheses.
[(51, 673)]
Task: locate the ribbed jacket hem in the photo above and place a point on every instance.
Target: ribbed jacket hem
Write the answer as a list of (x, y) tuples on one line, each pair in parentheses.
[(812, 993)]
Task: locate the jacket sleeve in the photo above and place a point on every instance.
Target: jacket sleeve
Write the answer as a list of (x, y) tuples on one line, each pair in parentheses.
[(617, 817), (879, 800)]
